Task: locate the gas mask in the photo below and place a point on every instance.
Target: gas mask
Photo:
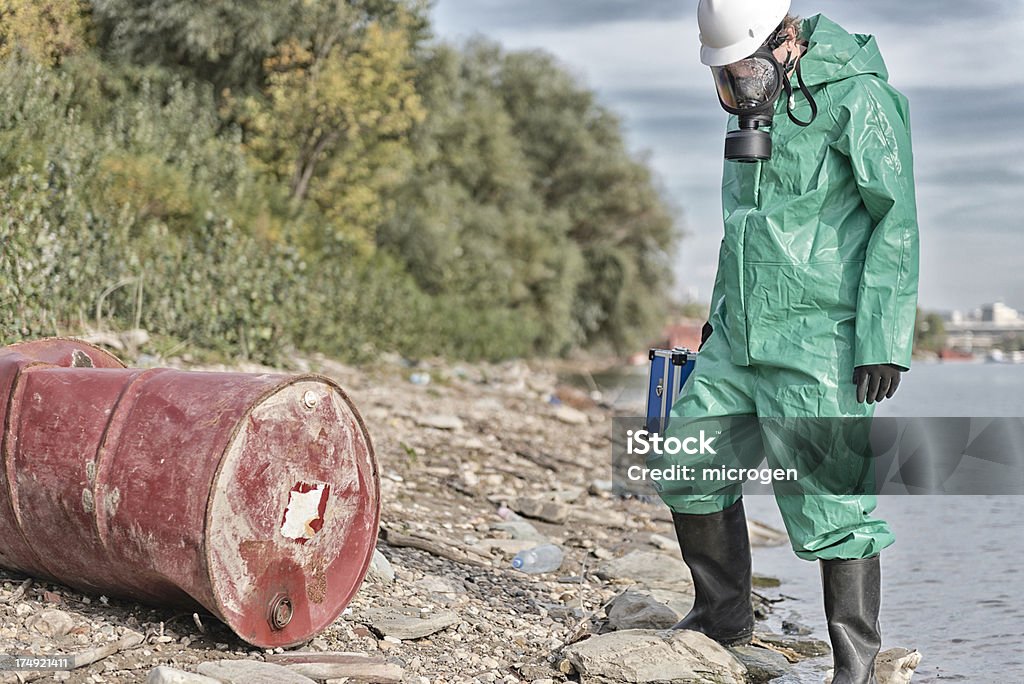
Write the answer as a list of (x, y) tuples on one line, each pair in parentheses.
[(749, 89)]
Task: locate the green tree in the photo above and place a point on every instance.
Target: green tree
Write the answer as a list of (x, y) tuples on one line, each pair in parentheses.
[(581, 167), (333, 122), (468, 224), (220, 41), (46, 32), (929, 332), (225, 42), (248, 177)]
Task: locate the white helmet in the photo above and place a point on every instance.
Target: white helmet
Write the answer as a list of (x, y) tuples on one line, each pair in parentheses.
[(731, 30)]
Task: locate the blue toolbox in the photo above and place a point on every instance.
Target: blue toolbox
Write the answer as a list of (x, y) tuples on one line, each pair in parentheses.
[(669, 370)]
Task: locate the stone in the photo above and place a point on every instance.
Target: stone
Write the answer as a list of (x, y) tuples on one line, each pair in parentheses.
[(168, 675), (338, 665), (438, 585), (896, 665), (570, 416), (893, 666), (51, 622), (762, 606), (134, 338), (793, 627), (649, 569), (380, 569), (566, 494), (410, 625), (541, 508), (440, 421), (488, 407), (604, 518), (640, 656), (805, 646), (664, 543), (251, 672), (763, 664), (679, 601), (639, 610), (520, 529)]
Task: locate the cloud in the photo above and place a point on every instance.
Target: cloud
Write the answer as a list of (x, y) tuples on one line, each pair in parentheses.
[(554, 14), (914, 13), (979, 50), (534, 15)]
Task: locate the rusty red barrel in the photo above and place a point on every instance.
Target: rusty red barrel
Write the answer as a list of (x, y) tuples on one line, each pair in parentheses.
[(256, 496)]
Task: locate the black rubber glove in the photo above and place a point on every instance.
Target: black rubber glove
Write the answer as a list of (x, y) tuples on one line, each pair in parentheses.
[(705, 333), (876, 382)]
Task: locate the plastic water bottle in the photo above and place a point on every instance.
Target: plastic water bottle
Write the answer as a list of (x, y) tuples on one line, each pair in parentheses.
[(543, 558)]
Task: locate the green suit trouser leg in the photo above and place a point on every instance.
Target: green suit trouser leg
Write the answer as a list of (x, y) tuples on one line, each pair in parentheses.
[(827, 511)]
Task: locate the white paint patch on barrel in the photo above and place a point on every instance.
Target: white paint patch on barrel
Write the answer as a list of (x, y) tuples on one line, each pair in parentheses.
[(113, 499), (302, 517), (87, 501)]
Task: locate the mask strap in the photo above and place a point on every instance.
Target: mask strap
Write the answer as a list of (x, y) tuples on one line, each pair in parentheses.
[(792, 100)]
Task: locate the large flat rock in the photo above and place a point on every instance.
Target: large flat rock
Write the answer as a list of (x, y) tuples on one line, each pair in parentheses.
[(520, 529), (800, 645), (251, 672), (642, 656), (649, 569), (648, 609), (763, 664), (163, 674), (339, 666), (546, 508), (406, 625)]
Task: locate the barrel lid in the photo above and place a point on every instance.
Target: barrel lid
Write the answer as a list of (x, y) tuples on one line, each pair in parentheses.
[(292, 521)]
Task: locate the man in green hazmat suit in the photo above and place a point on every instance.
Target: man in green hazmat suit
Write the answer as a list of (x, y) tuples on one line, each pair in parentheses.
[(813, 307)]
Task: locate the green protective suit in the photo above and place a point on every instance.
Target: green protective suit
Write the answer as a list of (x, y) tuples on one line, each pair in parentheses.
[(817, 274)]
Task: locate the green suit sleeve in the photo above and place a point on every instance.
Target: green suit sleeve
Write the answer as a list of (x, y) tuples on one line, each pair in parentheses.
[(876, 139)]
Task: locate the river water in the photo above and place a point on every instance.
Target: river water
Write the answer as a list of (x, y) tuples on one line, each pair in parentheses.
[(952, 582)]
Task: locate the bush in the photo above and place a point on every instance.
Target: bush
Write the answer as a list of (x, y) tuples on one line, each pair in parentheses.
[(348, 191)]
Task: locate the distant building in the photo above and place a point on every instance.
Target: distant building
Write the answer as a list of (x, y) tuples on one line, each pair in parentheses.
[(981, 329), (1000, 314)]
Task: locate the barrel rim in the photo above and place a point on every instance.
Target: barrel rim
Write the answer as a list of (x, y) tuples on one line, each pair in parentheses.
[(61, 338)]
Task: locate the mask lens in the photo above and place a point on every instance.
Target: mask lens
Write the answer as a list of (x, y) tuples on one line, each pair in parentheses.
[(747, 84)]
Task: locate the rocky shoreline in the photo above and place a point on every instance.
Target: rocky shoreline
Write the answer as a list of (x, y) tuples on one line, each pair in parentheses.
[(477, 463)]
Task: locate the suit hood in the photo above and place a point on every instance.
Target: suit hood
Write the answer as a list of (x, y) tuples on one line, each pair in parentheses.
[(834, 54)]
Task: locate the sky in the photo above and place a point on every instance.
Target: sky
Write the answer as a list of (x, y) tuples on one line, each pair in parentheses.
[(958, 62)]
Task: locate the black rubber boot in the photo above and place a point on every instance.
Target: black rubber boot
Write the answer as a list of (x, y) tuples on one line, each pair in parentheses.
[(853, 595), (716, 548)]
